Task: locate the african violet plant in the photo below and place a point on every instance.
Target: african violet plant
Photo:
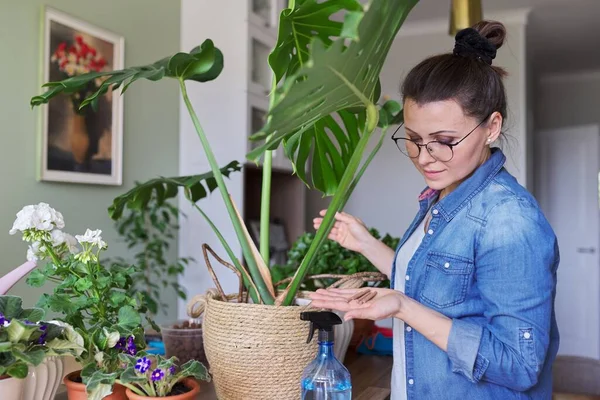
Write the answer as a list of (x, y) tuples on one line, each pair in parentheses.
[(25, 340), (92, 299), (151, 375), (323, 107)]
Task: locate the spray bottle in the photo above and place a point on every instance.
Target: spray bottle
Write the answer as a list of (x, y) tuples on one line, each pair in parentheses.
[(325, 378)]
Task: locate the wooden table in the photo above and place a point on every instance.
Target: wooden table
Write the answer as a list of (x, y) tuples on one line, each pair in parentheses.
[(371, 377)]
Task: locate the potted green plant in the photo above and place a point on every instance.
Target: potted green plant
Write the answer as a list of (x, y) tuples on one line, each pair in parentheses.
[(153, 377), (326, 79), (92, 299), (27, 342)]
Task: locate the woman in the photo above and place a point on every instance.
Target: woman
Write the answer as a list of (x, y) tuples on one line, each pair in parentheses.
[(474, 277)]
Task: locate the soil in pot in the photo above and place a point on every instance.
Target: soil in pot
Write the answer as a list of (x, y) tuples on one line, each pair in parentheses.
[(187, 389), (183, 339), (76, 388)]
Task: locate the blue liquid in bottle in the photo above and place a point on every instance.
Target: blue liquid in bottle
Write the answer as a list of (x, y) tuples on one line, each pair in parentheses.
[(325, 378)]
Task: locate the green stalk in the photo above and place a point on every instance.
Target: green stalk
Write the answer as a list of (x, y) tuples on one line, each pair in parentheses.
[(231, 255), (252, 266), (339, 199)]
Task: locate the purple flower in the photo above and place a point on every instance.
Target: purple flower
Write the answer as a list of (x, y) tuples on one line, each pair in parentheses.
[(42, 339), (157, 374), (172, 370), (143, 364), (131, 349), (4, 321), (120, 344)]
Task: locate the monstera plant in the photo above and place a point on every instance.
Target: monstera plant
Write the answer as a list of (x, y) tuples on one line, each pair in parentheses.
[(323, 107)]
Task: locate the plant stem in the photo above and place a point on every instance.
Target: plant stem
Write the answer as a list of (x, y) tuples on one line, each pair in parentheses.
[(252, 266), (231, 255), (133, 388), (337, 202)]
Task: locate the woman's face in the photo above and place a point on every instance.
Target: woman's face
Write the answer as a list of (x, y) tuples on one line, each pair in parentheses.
[(446, 122)]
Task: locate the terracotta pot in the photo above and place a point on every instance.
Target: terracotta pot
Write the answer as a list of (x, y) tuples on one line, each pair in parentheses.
[(191, 395), (76, 390), (11, 388)]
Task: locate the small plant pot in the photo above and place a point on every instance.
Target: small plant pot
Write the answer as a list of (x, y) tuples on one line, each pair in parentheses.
[(183, 339), (11, 388), (76, 389), (192, 386)]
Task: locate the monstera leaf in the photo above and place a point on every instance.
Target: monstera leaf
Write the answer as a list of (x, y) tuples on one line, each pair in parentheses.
[(334, 79), (203, 63), (195, 187), (309, 19)]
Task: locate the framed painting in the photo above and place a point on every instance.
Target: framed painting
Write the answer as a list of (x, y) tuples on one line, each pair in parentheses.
[(80, 145)]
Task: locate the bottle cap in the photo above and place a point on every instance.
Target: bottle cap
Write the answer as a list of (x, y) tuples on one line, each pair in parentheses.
[(324, 321)]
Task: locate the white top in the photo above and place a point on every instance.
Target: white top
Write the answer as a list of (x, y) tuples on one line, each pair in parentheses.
[(399, 369)]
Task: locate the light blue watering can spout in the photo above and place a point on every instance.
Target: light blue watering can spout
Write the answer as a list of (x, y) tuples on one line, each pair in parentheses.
[(9, 280)]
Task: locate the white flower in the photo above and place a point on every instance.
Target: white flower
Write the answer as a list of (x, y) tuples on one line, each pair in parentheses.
[(35, 252), (112, 337), (59, 237), (40, 217), (92, 237), (99, 357), (72, 336)]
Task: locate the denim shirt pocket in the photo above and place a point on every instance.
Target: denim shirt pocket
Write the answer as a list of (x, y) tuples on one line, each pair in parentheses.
[(446, 279)]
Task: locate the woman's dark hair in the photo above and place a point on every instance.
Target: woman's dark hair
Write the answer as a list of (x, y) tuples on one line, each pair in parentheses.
[(465, 75)]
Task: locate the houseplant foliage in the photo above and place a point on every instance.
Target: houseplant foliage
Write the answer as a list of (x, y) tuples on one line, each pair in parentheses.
[(149, 232), (25, 340), (331, 75), (331, 259), (96, 309), (155, 376)]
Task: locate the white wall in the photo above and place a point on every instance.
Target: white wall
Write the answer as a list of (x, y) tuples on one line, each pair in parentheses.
[(567, 100), (386, 197)]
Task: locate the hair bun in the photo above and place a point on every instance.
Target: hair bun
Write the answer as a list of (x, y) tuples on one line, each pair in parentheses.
[(470, 43)]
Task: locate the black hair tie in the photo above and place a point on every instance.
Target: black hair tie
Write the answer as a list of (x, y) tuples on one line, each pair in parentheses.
[(470, 44)]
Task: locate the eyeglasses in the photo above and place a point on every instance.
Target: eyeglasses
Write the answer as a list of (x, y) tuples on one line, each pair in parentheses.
[(441, 151)]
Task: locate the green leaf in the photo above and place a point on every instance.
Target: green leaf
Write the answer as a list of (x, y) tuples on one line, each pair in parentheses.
[(129, 319), (195, 369), (117, 298), (36, 278), (18, 370), (202, 64), (5, 346), (309, 19), (11, 306), (83, 284), (131, 376), (335, 77), (100, 384), (195, 188), (18, 331), (34, 357), (61, 347)]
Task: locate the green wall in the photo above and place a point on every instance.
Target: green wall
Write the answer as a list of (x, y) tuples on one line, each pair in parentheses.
[(151, 118)]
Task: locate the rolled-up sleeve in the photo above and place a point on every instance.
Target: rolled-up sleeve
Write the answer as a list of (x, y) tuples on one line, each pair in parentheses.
[(515, 266)]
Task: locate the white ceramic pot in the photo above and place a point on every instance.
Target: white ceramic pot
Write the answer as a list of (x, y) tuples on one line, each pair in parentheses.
[(342, 333), (11, 388), (43, 380)]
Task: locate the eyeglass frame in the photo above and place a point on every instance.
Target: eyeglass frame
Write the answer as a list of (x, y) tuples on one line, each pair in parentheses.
[(450, 145)]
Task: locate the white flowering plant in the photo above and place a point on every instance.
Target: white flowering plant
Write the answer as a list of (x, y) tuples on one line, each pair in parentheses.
[(92, 298), (150, 375), (25, 340)]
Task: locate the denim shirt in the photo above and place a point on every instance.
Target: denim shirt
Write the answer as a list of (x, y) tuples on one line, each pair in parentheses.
[(488, 261)]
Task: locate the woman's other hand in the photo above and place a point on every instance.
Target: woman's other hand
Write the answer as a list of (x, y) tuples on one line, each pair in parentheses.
[(349, 231)]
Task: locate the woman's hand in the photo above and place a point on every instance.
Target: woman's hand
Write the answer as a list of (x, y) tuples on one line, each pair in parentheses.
[(349, 231), (384, 304)]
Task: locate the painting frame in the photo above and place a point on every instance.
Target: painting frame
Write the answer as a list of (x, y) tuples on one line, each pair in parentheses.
[(110, 124)]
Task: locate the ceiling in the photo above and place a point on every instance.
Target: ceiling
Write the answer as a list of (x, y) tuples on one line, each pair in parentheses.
[(563, 35)]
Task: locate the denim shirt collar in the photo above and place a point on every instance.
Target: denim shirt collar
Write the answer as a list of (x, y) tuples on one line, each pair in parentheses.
[(456, 200)]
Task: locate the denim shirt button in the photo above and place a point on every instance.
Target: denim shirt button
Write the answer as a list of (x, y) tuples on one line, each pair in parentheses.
[(408, 329), (411, 381), (447, 265), (435, 212), (527, 335), (407, 277), (430, 231)]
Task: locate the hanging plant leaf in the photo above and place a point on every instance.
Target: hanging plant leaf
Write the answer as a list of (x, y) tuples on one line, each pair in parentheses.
[(204, 63), (195, 187), (334, 79), (309, 19)]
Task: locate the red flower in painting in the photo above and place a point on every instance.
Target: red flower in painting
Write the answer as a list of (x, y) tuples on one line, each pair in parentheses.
[(78, 58)]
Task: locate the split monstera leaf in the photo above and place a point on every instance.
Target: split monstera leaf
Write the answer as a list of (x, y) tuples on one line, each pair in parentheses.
[(323, 108)]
